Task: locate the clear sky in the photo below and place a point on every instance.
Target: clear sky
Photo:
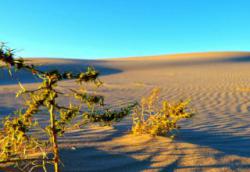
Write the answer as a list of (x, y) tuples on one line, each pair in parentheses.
[(121, 28)]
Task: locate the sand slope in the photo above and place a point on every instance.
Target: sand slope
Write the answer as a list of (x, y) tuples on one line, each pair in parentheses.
[(216, 139)]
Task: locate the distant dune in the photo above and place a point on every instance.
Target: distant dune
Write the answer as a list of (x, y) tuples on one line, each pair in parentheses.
[(147, 61), (216, 139), (188, 56)]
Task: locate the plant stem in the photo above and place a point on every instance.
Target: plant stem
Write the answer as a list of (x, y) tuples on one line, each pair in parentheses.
[(54, 139)]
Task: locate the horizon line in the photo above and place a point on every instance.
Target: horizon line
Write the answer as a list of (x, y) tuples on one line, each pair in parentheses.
[(122, 57)]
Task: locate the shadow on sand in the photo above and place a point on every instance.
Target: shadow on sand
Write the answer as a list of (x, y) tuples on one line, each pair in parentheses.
[(6, 110), (241, 59), (27, 77), (226, 143), (93, 159)]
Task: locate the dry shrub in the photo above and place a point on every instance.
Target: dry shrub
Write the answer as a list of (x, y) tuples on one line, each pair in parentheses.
[(19, 140), (149, 118)]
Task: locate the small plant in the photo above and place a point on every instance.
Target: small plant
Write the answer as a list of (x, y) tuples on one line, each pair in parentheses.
[(19, 143), (149, 118)]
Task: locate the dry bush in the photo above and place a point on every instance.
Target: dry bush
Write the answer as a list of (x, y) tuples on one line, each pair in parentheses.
[(149, 118)]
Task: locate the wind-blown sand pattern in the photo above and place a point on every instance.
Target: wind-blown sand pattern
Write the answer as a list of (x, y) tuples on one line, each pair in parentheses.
[(216, 139)]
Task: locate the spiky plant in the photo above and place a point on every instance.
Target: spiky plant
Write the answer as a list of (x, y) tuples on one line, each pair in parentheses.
[(18, 141)]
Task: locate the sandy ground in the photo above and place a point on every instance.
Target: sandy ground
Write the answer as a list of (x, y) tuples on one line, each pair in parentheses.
[(216, 139)]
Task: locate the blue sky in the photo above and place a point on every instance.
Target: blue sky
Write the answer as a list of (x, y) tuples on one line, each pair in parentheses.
[(121, 28)]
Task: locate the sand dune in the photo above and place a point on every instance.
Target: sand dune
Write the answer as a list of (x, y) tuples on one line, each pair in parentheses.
[(216, 139)]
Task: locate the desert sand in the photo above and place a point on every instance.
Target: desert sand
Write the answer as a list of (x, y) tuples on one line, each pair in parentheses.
[(217, 138)]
